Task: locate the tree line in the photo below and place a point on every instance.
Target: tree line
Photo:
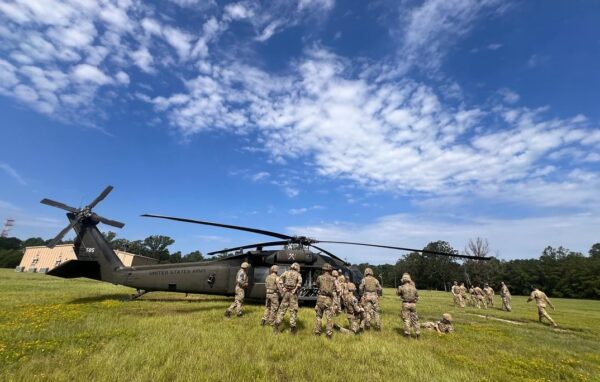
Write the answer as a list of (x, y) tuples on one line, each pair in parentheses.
[(559, 272)]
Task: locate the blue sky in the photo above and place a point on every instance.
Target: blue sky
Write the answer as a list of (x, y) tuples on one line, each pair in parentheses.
[(396, 122)]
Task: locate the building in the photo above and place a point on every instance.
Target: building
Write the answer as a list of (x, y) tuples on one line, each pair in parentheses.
[(41, 259)]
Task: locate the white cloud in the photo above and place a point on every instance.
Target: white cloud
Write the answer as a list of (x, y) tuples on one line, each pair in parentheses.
[(12, 173), (89, 73), (433, 26), (260, 176), (494, 46), (302, 210), (509, 96)]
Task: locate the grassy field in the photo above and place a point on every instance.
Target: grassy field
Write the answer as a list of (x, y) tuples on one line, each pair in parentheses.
[(54, 329)]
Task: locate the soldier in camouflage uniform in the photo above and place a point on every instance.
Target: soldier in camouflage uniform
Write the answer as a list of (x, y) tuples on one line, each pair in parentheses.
[(289, 283), (443, 326), (324, 306), (370, 289), (489, 295), (505, 294), (353, 308), (410, 296), (241, 283), (472, 299), (272, 297), (541, 300), (336, 293), (464, 294), (479, 297), (457, 296)]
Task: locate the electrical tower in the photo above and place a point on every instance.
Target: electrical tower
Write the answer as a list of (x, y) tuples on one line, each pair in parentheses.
[(8, 224)]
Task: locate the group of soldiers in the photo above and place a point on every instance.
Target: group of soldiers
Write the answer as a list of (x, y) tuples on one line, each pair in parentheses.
[(477, 297), (335, 295)]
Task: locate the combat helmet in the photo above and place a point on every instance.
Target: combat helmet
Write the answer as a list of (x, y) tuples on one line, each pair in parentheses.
[(368, 272), (335, 273), (295, 267), (245, 265), (342, 278), (406, 278), (447, 317), (274, 268), (327, 267)]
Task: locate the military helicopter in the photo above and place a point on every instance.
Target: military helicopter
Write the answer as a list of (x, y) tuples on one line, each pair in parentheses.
[(97, 260)]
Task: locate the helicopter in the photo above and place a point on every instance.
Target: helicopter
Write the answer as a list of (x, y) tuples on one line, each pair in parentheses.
[(97, 260)]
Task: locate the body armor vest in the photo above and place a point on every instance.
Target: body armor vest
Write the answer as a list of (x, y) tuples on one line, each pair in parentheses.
[(370, 284), (291, 278), (271, 282), (326, 285)]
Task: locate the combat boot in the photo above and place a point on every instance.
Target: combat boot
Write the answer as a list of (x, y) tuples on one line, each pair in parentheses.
[(294, 330), (263, 322), (328, 336), (227, 314)]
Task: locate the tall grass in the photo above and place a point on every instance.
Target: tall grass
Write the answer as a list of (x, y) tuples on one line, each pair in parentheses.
[(54, 329)]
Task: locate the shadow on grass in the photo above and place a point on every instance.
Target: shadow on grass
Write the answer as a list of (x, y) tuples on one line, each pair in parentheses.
[(171, 312), (100, 298)]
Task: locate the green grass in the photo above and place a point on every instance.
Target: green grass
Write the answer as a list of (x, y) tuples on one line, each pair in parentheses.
[(54, 329)]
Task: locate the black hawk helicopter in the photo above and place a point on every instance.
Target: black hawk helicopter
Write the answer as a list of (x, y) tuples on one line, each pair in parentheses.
[(97, 260)]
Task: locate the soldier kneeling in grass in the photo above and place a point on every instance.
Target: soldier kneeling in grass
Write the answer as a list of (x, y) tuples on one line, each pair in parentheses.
[(443, 326)]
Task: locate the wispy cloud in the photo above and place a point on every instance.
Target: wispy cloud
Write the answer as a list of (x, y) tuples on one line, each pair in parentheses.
[(302, 210), (12, 173)]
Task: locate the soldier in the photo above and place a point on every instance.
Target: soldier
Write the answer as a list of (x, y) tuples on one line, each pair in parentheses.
[(410, 296), (272, 297), (505, 294), (443, 326), (457, 296), (541, 300), (370, 289), (489, 295), (479, 297), (324, 306), (463, 294), (353, 308), (289, 283), (241, 283), (336, 293), (472, 297)]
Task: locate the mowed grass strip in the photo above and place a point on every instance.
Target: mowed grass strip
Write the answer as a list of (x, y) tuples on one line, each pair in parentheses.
[(55, 329)]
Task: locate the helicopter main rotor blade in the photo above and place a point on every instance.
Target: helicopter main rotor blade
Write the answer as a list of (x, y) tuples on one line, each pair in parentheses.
[(60, 205), (328, 253), (239, 228), (62, 233), (409, 249), (106, 221), (101, 197), (268, 244)]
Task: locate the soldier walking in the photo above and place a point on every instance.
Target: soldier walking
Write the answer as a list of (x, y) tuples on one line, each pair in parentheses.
[(505, 294), (472, 297), (463, 294), (479, 297), (352, 307), (272, 297), (410, 296), (324, 306), (457, 296), (370, 289), (336, 293), (290, 283), (489, 295), (241, 283), (541, 300)]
